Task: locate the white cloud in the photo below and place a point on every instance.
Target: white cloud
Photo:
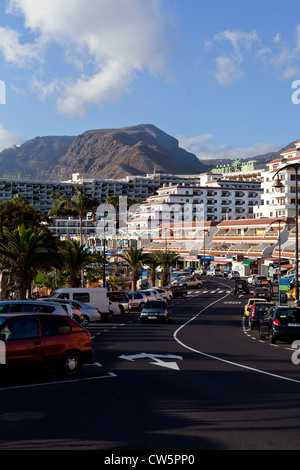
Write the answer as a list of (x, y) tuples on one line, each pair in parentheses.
[(233, 48), (202, 147), (228, 64), (8, 138), (106, 42)]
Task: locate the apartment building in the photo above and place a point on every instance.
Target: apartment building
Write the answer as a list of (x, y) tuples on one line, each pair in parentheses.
[(279, 202), (214, 201)]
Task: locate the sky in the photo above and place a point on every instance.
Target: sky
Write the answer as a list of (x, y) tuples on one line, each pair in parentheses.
[(222, 76)]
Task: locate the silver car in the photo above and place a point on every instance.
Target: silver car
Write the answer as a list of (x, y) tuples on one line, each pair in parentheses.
[(72, 311), (137, 299), (31, 306), (89, 313)]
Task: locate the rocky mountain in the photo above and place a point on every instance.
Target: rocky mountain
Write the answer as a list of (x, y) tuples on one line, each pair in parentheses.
[(108, 153), (115, 153), (35, 158)]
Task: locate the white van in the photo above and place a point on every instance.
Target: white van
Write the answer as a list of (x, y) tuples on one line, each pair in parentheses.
[(93, 296)]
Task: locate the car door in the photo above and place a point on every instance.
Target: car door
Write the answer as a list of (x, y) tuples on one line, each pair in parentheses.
[(23, 343)]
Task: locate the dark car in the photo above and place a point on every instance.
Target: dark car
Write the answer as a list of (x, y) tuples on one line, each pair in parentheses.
[(241, 285), (179, 291), (263, 293), (280, 323), (257, 312), (156, 310), (44, 340)]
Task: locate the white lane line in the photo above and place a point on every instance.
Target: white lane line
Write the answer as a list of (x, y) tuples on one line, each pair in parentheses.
[(236, 364)]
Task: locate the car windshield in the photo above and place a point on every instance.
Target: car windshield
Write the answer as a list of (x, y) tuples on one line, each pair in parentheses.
[(291, 314), (157, 304), (263, 307)]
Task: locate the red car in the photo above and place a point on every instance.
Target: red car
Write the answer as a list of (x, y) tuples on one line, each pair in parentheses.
[(44, 341)]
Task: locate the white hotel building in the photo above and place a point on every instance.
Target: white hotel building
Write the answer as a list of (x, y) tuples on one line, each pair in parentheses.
[(280, 203), (212, 200)]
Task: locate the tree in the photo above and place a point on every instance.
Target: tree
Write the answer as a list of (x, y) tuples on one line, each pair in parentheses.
[(17, 212), (81, 204), (26, 251), (166, 260), (75, 258), (135, 258), (152, 260)]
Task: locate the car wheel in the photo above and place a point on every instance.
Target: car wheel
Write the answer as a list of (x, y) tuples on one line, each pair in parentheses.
[(184, 286), (261, 336), (85, 321), (199, 286), (122, 311), (142, 305), (184, 295), (71, 364)]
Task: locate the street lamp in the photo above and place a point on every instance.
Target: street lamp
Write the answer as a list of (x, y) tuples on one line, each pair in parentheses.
[(278, 221), (278, 185)]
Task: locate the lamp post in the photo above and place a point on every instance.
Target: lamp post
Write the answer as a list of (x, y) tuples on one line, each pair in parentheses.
[(278, 185), (278, 221)]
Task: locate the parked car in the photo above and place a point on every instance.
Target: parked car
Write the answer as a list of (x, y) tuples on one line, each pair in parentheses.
[(89, 313), (179, 291), (250, 303), (281, 323), (200, 271), (137, 299), (193, 281), (72, 310), (165, 293), (156, 310), (40, 340), (33, 306), (251, 279), (149, 294), (118, 302), (263, 293), (241, 286), (156, 294), (234, 275), (257, 312), (217, 272), (210, 272)]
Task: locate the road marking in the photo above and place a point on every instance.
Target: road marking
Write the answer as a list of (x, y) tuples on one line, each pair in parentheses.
[(59, 382), (156, 359), (225, 361)]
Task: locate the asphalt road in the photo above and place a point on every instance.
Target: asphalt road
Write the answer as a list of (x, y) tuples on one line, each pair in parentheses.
[(202, 382)]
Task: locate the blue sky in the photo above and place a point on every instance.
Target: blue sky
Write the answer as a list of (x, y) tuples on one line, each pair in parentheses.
[(216, 74)]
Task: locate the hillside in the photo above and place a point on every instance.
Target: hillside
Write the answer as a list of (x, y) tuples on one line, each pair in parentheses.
[(109, 153), (36, 157), (115, 153)]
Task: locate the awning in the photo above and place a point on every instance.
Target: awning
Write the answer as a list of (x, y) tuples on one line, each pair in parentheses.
[(246, 262)]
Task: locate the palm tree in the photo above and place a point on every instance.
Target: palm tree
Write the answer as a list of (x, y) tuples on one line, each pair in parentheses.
[(135, 259), (26, 251), (80, 203), (151, 259), (166, 260), (75, 257)]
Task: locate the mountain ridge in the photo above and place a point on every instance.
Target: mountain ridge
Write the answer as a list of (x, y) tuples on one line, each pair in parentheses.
[(109, 153)]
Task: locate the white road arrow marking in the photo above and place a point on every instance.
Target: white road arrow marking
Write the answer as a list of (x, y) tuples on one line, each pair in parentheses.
[(156, 359)]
